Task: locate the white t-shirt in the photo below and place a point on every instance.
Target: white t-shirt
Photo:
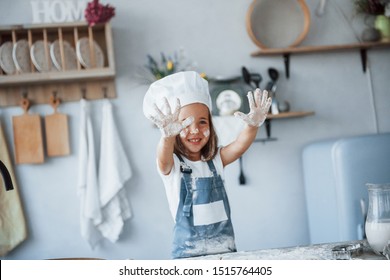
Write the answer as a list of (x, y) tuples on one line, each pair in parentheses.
[(172, 181)]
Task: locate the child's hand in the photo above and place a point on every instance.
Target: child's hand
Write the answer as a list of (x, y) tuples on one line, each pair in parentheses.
[(259, 107), (169, 123)]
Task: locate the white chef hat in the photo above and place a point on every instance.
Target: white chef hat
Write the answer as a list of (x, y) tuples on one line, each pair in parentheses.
[(188, 86)]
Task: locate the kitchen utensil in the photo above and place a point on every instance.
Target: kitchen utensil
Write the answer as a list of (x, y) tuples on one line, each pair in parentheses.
[(241, 178), (252, 79), (271, 88), (28, 141), (256, 79), (57, 137), (278, 23), (321, 8), (274, 76)]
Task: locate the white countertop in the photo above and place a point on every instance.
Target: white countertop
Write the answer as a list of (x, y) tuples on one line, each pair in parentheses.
[(310, 252)]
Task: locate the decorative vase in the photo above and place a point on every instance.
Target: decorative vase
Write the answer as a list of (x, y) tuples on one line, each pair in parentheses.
[(382, 23)]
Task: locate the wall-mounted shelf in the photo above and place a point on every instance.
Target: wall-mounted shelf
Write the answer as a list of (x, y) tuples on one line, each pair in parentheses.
[(286, 52), (289, 115), (285, 115), (94, 82)]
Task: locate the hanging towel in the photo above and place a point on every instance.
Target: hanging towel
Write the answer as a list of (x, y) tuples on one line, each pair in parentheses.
[(13, 229), (88, 189), (114, 171)]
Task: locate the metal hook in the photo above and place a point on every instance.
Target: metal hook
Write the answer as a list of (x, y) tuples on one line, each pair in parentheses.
[(54, 100), (54, 94), (83, 93), (25, 103), (24, 94)]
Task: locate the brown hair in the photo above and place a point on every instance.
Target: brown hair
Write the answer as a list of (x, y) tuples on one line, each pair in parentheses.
[(208, 152)]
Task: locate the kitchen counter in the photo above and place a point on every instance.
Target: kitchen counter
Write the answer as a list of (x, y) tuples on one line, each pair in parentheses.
[(310, 252)]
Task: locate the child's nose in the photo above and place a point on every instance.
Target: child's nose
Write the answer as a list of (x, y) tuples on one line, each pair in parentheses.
[(194, 129)]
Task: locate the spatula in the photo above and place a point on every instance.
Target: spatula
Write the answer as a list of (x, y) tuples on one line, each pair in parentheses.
[(242, 178)]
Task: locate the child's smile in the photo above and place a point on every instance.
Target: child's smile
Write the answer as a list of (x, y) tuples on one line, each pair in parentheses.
[(195, 136)]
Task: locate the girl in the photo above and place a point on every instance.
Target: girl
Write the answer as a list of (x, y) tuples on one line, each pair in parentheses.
[(191, 164)]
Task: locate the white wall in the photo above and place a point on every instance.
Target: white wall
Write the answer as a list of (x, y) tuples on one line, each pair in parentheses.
[(267, 212)]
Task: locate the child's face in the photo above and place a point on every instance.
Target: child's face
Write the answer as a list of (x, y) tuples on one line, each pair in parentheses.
[(195, 136)]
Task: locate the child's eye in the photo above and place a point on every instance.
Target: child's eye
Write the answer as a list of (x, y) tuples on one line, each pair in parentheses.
[(203, 122)]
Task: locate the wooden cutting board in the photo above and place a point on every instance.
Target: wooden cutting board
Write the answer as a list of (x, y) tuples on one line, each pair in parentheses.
[(56, 127), (28, 140)]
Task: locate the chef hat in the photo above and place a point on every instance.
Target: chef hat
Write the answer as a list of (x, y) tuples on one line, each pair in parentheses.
[(188, 86)]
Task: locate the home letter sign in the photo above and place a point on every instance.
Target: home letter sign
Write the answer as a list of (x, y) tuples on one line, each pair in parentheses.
[(44, 11)]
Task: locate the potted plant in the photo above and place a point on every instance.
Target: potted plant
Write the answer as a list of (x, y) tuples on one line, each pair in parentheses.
[(380, 10)]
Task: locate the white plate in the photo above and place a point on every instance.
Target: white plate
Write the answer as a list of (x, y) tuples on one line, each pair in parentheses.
[(278, 23), (69, 56), (84, 54), (6, 61), (21, 56), (38, 56), (228, 101)]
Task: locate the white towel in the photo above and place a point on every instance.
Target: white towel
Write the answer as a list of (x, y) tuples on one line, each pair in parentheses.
[(88, 189), (114, 171)]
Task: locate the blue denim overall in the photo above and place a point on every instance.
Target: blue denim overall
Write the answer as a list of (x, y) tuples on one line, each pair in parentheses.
[(210, 231)]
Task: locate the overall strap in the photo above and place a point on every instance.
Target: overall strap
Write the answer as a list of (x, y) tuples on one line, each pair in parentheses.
[(186, 170), (212, 167)]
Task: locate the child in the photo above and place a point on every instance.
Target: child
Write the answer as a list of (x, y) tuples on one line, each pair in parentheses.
[(191, 164)]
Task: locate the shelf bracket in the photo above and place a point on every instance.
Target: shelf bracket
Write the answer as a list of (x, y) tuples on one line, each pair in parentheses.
[(286, 57), (267, 124), (363, 56)]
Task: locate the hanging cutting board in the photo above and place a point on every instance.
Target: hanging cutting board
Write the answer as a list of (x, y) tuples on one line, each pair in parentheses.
[(28, 141), (56, 127)]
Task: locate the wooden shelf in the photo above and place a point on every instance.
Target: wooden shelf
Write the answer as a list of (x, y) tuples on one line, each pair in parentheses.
[(67, 85), (286, 52), (286, 115), (50, 77), (313, 49), (289, 115)]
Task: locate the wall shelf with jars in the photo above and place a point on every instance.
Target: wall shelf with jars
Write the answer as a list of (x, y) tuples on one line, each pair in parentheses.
[(69, 60)]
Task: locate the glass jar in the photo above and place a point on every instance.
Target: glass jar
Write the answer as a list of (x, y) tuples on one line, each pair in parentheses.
[(378, 216)]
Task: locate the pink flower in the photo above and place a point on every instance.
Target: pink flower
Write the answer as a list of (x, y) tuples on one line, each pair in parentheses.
[(97, 13)]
